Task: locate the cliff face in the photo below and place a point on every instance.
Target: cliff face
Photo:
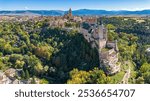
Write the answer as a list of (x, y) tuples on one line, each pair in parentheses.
[(96, 35)]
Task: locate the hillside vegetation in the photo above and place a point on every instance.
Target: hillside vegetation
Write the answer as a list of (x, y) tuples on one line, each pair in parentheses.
[(55, 55)]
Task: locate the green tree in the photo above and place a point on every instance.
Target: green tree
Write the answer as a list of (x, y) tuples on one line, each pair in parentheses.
[(44, 81), (140, 80), (94, 76), (145, 68), (111, 27), (27, 74)]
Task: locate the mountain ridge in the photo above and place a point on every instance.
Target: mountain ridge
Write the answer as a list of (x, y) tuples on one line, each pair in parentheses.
[(79, 12)]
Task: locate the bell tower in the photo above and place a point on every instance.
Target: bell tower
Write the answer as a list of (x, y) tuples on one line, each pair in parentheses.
[(70, 12)]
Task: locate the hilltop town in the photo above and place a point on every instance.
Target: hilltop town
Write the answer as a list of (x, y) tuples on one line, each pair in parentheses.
[(59, 44)]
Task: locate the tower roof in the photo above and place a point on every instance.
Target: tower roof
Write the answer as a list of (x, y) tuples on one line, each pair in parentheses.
[(70, 10)]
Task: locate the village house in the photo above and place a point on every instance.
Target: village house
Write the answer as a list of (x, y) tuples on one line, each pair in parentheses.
[(10, 72), (9, 77)]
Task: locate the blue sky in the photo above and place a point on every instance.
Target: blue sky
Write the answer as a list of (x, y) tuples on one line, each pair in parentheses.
[(74, 4)]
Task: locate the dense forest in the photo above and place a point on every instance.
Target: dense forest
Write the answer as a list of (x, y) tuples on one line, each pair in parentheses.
[(55, 55), (44, 52)]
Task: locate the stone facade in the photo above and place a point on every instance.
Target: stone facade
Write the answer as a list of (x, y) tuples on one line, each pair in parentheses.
[(90, 20)]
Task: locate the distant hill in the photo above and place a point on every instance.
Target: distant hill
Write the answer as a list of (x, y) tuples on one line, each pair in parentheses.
[(75, 12), (33, 12)]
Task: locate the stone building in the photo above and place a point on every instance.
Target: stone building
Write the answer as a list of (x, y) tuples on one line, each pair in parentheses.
[(3, 78), (9, 77), (90, 20), (10, 72), (96, 35)]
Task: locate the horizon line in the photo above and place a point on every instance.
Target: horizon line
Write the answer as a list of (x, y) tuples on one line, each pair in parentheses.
[(72, 10)]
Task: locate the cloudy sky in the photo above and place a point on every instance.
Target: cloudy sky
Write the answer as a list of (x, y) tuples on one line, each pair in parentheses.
[(74, 4)]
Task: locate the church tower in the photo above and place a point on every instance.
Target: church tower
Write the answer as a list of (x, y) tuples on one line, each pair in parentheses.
[(70, 13)]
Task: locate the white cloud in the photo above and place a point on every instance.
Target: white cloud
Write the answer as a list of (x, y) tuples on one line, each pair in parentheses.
[(133, 9), (26, 8), (144, 8)]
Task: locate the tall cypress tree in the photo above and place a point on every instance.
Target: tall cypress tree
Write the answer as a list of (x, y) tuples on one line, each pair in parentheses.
[(23, 74), (27, 74)]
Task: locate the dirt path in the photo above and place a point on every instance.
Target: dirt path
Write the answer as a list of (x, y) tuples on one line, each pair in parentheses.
[(127, 75)]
